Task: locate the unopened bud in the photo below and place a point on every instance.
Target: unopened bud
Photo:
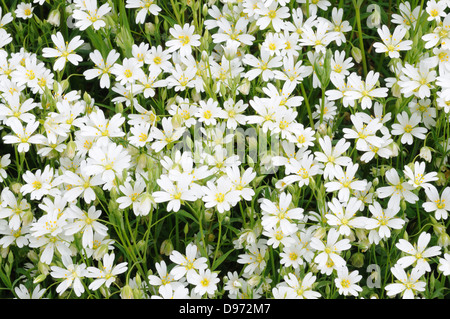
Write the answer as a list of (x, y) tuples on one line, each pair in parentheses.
[(244, 88), (54, 18), (15, 188), (127, 292), (254, 280), (71, 149), (100, 252), (357, 260), (374, 20), (39, 278), (118, 108), (166, 247), (150, 28), (43, 268)]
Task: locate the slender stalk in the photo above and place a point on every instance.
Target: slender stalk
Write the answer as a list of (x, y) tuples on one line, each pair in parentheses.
[(357, 6)]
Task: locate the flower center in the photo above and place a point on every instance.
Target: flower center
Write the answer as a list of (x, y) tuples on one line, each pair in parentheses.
[(184, 39), (128, 73), (272, 14), (37, 184), (345, 283), (220, 197)]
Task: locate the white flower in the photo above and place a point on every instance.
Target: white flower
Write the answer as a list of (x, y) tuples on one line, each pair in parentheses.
[(382, 221), (394, 43), (444, 264), (63, 51), (397, 190), (175, 193), (254, 257), (272, 15), (302, 288), (364, 91), (220, 194), (40, 183), (343, 215), (22, 292), (346, 282), (81, 184), (436, 10), (205, 281), (88, 223), (24, 10), (167, 135), (332, 156), (188, 264), (106, 273), (128, 72), (345, 182), (330, 249), (418, 177), (23, 136), (280, 214), (71, 275), (418, 253), (183, 39), (408, 284), (417, 81), (108, 160), (408, 127), (4, 162), (438, 204), (102, 67), (90, 15), (144, 7)]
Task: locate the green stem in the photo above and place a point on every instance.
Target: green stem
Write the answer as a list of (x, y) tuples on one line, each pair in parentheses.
[(308, 107)]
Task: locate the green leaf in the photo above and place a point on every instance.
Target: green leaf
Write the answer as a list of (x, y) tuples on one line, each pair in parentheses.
[(221, 259)]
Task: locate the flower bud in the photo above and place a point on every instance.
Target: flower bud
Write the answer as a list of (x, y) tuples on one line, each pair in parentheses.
[(254, 280), (442, 179), (15, 188), (87, 98), (425, 153), (357, 260), (244, 88), (27, 218), (209, 215), (150, 28), (43, 268), (166, 247), (54, 18), (320, 232), (127, 292), (100, 252), (230, 50), (375, 181), (33, 256), (118, 108), (322, 129), (443, 240), (374, 20), (39, 278), (396, 90), (403, 205), (142, 161), (205, 10), (71, 149)]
